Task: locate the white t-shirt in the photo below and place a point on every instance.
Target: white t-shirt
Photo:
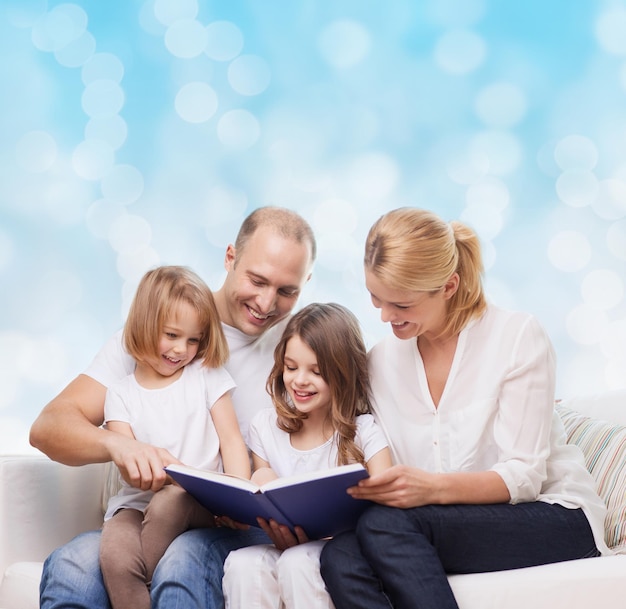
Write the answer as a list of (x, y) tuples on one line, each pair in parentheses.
[(273, 445), (249, 364), (176, 417), (496, 413)]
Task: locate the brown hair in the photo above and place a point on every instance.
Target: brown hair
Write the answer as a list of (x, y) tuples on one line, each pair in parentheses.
[(159, 292), (332, 332), (415, 250), (284, 222)]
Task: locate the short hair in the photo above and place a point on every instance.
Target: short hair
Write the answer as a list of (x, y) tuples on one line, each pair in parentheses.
[(160, 292), (283, 221), (333, 333), (415, 250)]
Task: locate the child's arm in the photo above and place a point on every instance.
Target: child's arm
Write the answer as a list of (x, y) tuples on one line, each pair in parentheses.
[(232, 447), (379, 462), (262, 471)]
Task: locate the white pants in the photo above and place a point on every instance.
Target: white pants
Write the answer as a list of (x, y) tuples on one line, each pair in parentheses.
[(262, 577)]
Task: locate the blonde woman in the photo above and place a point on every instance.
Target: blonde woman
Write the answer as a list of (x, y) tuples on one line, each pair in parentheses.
[(464, 391)]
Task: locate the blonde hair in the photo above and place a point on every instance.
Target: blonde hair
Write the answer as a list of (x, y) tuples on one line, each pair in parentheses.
[(415, 250), (158, 295), (332, 332)]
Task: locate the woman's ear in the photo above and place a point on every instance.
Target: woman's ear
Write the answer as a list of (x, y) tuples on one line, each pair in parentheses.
[(451, 286)]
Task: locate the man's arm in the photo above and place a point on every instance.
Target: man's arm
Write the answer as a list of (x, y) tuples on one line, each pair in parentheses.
[(68, 430)]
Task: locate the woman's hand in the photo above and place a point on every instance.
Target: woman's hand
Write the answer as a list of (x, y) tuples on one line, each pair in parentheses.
[(281, 535), (399, 486)]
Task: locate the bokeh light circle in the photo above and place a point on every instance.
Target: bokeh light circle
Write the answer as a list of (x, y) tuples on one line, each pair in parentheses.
[(92, 159), (238, 129), (587, 325), (344, 43), (576, 152), (610, 199), (196, 102), (102, 98), (569, 251), (224, 41), (460, 51), (577, 187), (36, 151), (249, 75), (501, 105), (602, 289), (186, 38)]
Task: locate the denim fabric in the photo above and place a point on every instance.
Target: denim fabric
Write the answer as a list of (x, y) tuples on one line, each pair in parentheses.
[(188, 576), (400, 558)]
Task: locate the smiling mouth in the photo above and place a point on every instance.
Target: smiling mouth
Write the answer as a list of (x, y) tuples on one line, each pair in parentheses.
[(258, 315), (172, 360)]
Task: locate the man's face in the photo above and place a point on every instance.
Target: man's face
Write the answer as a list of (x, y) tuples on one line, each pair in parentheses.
[(263, 284)]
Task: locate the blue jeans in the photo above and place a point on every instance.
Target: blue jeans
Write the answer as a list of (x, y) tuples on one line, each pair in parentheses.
[(400, 558), (189, 576)]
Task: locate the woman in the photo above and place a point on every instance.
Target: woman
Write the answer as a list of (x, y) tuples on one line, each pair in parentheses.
[(464, 392)]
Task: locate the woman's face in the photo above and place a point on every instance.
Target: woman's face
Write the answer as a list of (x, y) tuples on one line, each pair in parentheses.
[(410, 314)]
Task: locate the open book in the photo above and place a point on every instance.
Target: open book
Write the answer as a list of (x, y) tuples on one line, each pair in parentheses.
[(316, 501)]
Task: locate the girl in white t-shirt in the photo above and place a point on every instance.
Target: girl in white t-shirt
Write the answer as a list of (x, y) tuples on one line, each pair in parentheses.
[(320, 389), (177, 398)]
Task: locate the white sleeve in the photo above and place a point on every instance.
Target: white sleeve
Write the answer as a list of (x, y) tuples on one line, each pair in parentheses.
[(115, 407), (369, 436), (112, 363), (523, 423)]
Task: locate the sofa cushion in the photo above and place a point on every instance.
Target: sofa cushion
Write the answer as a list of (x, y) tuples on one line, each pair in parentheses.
[(604, 447)]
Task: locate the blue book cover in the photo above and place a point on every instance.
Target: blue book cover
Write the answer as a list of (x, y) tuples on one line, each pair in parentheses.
[(316, 501)]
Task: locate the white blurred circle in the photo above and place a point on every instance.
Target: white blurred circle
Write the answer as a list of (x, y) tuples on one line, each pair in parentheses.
[(169, 11), (373, 175), (123, 184), (110, 129), (102, 66), (569, 251), (484, 218), (616, 239), (58, 27), (186, 38), (92, 159), (577, 187), (249, 75), (238, 129), (460, 51), (132, 265), (224, 40), (344, 43), (196, 102), (576, 152), (610, 30), (334, 215), (610, 200), (501, 105), (502, 148), (77, 52), (102, 98), (467, 167), (490, 192), (602, 289), (587, 325), (129, 234), (101, 215), (36, 151)]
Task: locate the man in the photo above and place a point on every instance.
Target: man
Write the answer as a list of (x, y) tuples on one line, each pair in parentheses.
[(266, 269)]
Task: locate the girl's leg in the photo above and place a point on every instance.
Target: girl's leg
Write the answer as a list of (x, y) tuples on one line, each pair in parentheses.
[(250, 578), (171, 511), (121, 561), (412, 550), (299, 580)]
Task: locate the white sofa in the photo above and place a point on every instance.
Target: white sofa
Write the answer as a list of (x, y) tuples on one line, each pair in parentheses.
[(44, 504)]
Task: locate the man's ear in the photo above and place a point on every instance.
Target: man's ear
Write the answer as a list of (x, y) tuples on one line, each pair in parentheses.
[(451, 286), (229, 258)]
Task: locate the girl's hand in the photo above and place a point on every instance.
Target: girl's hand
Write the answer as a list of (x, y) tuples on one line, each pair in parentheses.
[(281, 535), (399, 486)]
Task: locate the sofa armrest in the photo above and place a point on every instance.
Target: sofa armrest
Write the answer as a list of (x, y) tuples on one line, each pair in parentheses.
[(43, 504)]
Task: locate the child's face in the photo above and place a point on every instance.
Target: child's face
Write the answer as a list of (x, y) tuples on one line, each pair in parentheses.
[(301, 376), (179, 340)]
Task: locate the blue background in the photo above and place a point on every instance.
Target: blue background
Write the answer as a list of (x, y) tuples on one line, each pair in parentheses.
[(141, 133)]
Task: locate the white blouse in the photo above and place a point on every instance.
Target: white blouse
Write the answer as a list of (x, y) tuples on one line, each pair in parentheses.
[(496, 413)]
